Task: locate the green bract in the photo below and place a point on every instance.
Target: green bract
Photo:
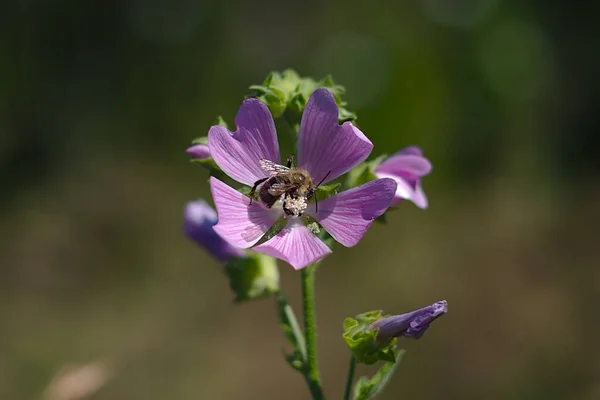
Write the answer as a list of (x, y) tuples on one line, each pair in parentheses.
[(253, 276), (361, 339), (366, 388), (287, 92)]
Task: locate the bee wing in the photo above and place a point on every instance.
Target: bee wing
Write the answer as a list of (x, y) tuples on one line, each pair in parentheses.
[(271, 167), (278, 189)]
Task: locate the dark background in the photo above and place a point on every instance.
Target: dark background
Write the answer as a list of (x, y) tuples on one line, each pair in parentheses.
[(99, 99)]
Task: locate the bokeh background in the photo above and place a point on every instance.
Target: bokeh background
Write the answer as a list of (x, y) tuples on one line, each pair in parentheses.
[(99, 99)]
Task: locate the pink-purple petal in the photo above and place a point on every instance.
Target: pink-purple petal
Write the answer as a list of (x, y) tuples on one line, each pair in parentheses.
[(324, 145), (348, 215), (198, 151), (410, 165), (240, 224), (420, 198), (238, 154), (407, 190), (414, 150), (296, 245)]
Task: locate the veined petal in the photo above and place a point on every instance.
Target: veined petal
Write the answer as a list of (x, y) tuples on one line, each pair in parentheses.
[(238, 153), (240, 224), (199, 151), (410, 165), (414, 150), (199, 219), (420, 198), (324, 145), (348, 215), (407, 189), (296, 245)]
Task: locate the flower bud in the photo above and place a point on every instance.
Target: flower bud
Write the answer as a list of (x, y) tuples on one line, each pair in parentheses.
[(410, 325), (372, 337), (199, 219), (253, 276), (199, 152)]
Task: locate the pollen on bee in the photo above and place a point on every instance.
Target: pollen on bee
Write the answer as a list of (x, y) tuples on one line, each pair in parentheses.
[(296, 207)]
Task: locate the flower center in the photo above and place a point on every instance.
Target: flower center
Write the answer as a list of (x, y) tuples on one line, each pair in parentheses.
[(294, 207)]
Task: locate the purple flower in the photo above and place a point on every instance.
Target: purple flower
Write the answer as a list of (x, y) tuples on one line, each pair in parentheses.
[(198, 151), (199, 219), (410, 325), (406, 167), (326, 150)]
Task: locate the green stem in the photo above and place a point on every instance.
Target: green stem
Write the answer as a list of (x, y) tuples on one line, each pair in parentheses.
[(350, 378), (311, 368)]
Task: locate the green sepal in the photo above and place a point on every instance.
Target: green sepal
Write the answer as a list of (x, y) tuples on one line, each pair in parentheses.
[(221, 122), (287, 92), (210, 165), (325, 191), (361, 339), (244, 190), (382, 219), (200, 140), (364, 172), (273, 98), (253, 276), (366, 388)]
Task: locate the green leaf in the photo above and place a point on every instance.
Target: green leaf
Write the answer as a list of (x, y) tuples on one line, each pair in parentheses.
[(364, 172), (291, 330), (366, 388), (253, 277), (295, 361), (290, 327), (362, 340), (360, 175)]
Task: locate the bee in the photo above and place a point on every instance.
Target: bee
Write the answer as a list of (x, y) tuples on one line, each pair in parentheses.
[(293, 186)]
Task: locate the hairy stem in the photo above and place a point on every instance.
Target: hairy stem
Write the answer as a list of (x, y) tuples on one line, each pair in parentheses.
[(350, 378), (311, 368)]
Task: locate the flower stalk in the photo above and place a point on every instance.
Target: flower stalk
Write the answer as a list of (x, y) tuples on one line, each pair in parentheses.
[(350, 378), (311, 372)]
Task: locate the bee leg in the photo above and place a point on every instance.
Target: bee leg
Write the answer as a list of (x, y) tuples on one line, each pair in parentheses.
[(251, 194), (290, 161)]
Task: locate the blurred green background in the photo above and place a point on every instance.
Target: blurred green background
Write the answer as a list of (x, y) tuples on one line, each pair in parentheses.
[(99, 99)]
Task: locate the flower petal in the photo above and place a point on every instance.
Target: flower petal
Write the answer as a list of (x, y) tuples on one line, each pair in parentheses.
[(198, 151), (414, 150), (296, 245), (411, 325), (324, 145), (410, 165), (198, 222), (407, 190), (240, 224), (420, 198), (348, 215), (238, 153)]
